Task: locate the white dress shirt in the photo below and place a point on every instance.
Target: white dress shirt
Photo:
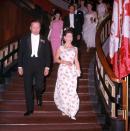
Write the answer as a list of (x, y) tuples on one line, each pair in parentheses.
[(35, 44), (71, 16)]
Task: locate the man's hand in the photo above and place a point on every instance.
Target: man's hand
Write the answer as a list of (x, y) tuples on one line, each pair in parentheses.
[(46, 71), (20, 71)]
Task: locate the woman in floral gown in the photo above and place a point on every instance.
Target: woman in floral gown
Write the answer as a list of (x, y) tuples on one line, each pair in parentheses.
[(65, 95)]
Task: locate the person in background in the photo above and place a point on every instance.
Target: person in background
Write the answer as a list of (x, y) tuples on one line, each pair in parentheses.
[(89, 27), (65, 95), (33, 63), (55, 33), (101, 10), (79, 14), (52, 13), (82, 7), (72, 21)]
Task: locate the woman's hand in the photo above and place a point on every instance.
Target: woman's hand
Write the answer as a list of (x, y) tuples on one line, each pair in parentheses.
[(20, 71), (69, 63), (46, 71)]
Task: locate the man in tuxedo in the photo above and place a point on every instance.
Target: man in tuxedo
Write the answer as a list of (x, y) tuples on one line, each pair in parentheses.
[(72, 21), (33, 62), (79, 14)]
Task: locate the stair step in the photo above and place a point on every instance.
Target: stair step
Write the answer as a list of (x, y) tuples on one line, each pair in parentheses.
[(46, 96), (47, 106), (51, 127), (81, 82), (39, 118), (49, 89), (46, 113)]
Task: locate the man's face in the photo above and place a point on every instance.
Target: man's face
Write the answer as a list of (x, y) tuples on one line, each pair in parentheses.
[(71, 9), (35, 28)]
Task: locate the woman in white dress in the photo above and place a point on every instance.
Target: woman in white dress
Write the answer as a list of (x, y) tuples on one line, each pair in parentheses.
[(89, 27), (65, 95)]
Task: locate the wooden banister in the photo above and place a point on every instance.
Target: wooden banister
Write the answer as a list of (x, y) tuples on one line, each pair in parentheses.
[(5, 43), (102, 56), (109, 86)]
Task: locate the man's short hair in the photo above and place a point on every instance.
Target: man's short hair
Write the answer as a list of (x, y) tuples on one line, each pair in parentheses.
[(36, 21), (71, 5)]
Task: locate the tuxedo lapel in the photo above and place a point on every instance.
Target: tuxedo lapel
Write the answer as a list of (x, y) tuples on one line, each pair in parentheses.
[(39, 46), (75, 20), (29, 43), (68, 20)]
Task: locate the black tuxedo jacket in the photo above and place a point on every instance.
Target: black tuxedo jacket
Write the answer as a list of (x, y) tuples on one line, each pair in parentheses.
[(80, 17), (25, 50), (77, 24)]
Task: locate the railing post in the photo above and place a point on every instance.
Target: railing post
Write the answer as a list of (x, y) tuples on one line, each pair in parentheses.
[(125, 101), (2, 79)]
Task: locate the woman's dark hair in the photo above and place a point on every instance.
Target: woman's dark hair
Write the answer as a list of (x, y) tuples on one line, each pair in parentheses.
[(57, 12), (67, 30), (92, 4)]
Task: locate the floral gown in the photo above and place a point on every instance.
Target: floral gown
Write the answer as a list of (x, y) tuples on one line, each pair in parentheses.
[(65, 95)]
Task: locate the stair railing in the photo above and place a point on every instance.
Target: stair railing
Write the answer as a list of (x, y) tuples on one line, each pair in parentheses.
[(113, 91), (8, 58)]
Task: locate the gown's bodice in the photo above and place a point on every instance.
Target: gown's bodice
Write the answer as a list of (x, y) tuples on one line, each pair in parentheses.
[(68, 54)]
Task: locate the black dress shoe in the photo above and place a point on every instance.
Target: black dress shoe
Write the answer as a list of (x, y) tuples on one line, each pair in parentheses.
[(28, 113), (39, 101)]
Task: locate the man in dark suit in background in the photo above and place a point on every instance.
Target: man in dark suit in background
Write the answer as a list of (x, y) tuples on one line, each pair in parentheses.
[(72, 21), (79, 14), (33, 62)]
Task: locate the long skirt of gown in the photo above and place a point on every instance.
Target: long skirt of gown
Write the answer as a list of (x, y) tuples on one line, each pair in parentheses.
[(89, 35), (65, 95), (89, 30)]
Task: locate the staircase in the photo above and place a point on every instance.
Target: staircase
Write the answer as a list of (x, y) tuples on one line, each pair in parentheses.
[(49, 118)]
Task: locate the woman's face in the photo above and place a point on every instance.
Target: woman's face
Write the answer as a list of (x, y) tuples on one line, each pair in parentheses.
[(89, 7), (57, 16), (68, 37), (100, 1), (82, 3)]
